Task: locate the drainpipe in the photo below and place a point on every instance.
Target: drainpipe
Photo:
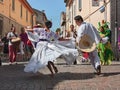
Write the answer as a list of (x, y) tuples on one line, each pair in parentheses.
[(9, 11), (105, 13), (116, 31), (89, 10), (72, 12)]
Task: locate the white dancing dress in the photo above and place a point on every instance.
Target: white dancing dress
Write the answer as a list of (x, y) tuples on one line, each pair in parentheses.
[(47, 50)]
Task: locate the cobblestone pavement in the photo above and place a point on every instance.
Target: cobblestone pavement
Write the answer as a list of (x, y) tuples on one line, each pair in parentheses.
[(69, 77)]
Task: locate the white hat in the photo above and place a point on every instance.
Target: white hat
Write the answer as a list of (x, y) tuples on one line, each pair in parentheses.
[(86, 44)]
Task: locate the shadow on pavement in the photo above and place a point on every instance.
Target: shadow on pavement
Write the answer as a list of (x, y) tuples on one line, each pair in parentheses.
[(16, 75), (64, 76), (110, 74)]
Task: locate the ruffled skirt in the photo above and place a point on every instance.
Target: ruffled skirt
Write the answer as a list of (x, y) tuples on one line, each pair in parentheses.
[(46, 51)]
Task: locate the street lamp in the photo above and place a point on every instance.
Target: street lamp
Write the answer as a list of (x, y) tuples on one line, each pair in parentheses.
[(104, 9)]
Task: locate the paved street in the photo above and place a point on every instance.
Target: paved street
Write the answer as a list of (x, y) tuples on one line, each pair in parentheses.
[(69, 77)]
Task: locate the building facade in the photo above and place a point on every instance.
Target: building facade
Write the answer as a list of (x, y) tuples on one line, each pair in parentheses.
[(63, 23), (40, 17), (16, 13), (90, 10)]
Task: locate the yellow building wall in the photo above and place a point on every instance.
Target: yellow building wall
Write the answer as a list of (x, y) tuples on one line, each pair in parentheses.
[(17, 12), (86, 10), (11, 17), (4, 8)]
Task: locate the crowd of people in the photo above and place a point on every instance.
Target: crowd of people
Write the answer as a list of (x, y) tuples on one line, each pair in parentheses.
[(15, 46), (41, 46)]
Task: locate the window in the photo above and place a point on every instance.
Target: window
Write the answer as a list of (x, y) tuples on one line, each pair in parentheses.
[(70, 16), (31, 19), (13, 5), (80, 5), (1, 25), (74, 10), (26, 15), (95, 2), (21, 9)]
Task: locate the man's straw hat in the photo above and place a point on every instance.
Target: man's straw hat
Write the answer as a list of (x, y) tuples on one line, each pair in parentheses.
[(86, 44)]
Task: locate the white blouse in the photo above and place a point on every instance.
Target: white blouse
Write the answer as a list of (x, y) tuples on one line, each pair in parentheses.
[(41, 32)]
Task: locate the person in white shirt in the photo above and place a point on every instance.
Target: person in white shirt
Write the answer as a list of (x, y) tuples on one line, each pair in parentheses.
[(12, 48), (89, 29), (73, 35)]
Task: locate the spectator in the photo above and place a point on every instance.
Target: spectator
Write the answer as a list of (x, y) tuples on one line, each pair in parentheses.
[(24, 39), (13, 47)]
